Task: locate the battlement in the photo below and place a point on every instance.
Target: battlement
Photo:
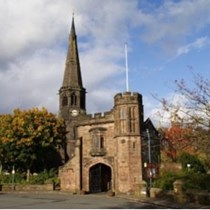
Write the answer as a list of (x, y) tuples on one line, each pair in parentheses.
[(128, 97), (100, 117)]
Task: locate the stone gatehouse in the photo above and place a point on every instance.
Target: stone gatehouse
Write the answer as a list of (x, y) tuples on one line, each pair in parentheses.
[(105, 151)]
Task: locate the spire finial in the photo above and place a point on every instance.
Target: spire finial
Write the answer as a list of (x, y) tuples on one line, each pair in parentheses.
[(73, 33), (73, 13)]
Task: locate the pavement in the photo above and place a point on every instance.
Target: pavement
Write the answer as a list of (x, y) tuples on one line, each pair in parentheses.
[(166, 203), (60, 199)]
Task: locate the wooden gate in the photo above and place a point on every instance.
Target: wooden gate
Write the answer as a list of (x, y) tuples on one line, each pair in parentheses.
[(99, 178)]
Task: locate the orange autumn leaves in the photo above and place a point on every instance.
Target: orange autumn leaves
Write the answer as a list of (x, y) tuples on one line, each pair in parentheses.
[(30, 137), (176, 140), (28, 126)]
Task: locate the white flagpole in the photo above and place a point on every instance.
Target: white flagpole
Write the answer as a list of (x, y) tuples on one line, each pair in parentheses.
[(126, 67)]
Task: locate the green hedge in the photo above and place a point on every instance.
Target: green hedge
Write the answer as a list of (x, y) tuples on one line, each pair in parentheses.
[(190, 180), (195, 164), (197, 181), (165, 181), (8, 178), (20, 178)]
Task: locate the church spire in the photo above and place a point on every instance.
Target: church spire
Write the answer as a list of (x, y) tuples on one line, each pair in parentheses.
[(72, 74), (72, 93)]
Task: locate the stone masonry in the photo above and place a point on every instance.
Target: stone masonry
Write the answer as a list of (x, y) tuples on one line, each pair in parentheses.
[(103, 151)]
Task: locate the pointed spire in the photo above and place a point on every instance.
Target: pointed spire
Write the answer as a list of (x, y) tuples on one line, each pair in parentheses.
[(72, 75), (73, 31)]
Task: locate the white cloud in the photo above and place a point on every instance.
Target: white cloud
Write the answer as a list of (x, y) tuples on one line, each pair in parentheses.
[(176, 108), (170, 24), (34, 41), (197, 44), (29, 25), (100, 63), (33, 48), (101, 100), (33, 82)]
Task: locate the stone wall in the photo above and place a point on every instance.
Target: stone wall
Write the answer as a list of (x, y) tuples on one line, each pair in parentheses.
[(69, 174), (27, 187), (190, 195), (119, 133)]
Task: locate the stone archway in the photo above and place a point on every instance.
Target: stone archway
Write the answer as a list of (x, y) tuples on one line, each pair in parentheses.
[(99, 178)]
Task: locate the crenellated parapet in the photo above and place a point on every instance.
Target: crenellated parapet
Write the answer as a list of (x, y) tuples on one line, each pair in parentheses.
[(127, 98), (100, 117)]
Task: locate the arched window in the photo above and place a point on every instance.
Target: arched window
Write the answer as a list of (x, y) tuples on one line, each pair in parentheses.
[(122, 119), (73, 99), (101, 142), (64, 101), (122, 113), (132, 116)]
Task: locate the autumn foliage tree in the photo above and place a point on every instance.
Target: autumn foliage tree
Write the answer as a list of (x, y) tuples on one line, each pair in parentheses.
[(194, 113), (31, 139), (176, 139), (198, 100)]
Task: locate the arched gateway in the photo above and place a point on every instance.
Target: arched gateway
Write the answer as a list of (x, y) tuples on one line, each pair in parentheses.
[(99, 178)]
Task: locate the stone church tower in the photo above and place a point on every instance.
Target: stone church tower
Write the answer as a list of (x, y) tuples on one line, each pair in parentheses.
[(105, 151), (72, 93)]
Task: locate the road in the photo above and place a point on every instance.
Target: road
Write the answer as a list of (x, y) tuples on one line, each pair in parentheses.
[(42, 200)]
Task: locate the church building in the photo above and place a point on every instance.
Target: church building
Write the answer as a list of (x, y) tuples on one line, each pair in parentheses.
[(106, 151)]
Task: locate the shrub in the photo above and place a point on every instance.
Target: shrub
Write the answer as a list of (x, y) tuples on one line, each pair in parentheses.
[(20, 178), (190, 180), (195, 165), (43, 177), (197, 181), (165, 181), (7, 178)]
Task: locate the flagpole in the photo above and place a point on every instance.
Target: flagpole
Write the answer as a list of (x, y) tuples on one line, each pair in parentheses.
[(126, 67)]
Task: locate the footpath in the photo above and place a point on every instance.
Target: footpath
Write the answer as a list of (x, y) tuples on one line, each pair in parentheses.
[(162, 203), (165, 203)]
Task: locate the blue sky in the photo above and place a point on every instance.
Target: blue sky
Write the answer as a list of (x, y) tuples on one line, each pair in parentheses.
[(167, 40)]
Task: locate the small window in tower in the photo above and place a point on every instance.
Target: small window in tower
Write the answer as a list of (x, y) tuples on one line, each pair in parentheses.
[(132, 123), (134, 145), (122, 113), (64, 101), (102, 142), (122, 116), (73, 99)]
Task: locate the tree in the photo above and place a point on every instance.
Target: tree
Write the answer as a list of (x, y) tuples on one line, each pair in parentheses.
[(194, 113), (175, 141), (31, 139), (190, 163), (198, 100)]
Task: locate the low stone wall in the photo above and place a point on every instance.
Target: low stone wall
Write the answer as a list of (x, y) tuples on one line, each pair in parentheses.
[(155, 192), (190, 195), (198, 196), (178, 194), (18, 187)]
